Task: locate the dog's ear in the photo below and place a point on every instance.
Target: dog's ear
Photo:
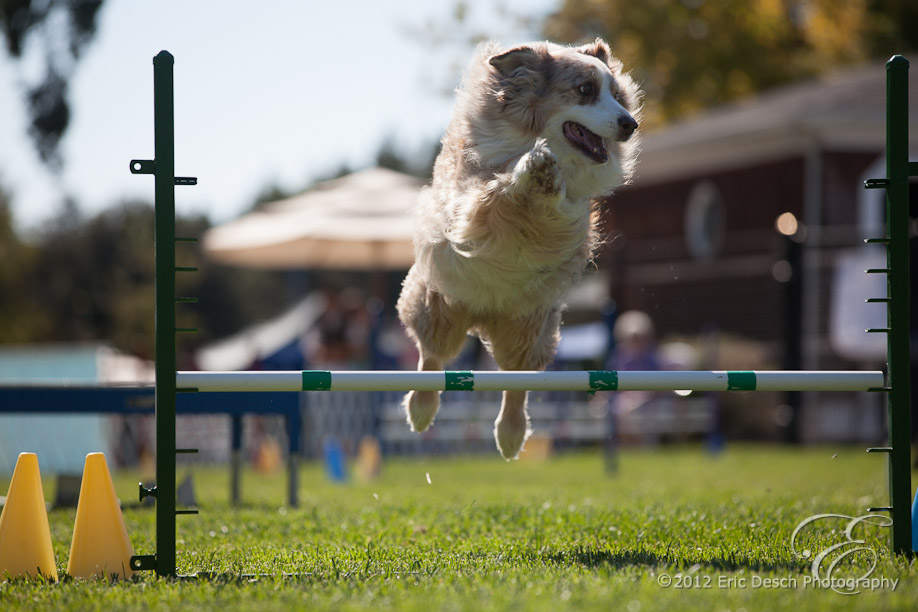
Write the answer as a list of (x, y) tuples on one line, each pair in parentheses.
[(508, 62), (598, 49)]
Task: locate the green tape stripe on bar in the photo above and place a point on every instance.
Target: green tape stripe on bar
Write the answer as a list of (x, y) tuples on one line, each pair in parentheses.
[(603, 380), (460, 381), (316, 380), (741, 381)]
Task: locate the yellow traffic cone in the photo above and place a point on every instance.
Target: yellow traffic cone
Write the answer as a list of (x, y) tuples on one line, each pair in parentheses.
[(25, 537), (100, 545)]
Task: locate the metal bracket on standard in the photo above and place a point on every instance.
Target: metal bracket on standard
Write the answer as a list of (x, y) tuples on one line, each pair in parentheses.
[(876, 183), (143, 166), (145, 492), (143, 562), (148, 166)]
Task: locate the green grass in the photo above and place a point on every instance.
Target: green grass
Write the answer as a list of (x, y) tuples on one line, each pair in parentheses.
[(485, 534)]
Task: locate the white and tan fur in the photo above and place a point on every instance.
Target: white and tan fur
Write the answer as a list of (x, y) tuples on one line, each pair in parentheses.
[(508, 224)]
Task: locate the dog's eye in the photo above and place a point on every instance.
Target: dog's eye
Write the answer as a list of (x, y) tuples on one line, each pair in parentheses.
[(586, 89)]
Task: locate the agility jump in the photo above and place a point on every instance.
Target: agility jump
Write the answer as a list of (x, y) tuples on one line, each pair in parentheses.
[(584, 380), (895, 383)]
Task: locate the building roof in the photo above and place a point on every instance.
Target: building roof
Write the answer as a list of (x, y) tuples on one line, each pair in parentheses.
[(838, 111)]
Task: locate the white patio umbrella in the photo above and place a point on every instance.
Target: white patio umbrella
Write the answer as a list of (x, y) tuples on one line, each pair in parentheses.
[(363, 221)]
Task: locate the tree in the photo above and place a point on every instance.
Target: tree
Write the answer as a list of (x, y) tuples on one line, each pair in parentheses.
[(92, 279), (63, 28), (419, 163), (21, 322), (693, 54)]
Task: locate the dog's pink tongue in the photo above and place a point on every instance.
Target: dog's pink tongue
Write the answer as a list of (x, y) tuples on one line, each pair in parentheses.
[(575, 133), (590, 143)]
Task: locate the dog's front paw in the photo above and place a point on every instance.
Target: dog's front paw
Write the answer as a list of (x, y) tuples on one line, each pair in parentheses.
[(539, 171), (421, 408)]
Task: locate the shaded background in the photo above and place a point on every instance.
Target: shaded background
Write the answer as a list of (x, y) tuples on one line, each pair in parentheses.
[(271, 101)]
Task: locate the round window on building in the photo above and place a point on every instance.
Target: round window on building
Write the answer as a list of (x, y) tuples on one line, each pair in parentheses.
[(705, 220)]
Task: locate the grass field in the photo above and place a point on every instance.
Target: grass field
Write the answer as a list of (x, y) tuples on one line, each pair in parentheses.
[(673, 529)]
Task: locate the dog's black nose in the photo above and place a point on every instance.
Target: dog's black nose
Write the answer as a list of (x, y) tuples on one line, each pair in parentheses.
[(626, 127)]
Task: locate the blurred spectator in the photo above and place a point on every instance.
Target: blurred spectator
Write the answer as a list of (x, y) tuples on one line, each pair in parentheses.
[(635, 343), (341, 336), (635, 349)]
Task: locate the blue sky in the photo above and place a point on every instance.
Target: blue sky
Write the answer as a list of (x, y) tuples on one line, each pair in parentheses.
[(279, 95)]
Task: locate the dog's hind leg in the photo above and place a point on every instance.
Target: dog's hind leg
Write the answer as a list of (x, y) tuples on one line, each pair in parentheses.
[(528, 343), (439, 332)]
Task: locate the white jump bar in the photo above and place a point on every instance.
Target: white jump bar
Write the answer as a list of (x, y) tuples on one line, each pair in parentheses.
[(590, 380)]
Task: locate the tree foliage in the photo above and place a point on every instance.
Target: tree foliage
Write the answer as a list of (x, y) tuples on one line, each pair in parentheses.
[(60, 31), (21, 321), (92, 279), (693, 54), (85, 279)]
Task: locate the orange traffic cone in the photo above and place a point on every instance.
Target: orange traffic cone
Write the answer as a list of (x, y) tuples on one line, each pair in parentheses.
[(100, 545), (25, 537)]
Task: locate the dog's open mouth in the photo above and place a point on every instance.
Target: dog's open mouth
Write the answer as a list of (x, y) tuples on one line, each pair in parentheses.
[(586, 141)]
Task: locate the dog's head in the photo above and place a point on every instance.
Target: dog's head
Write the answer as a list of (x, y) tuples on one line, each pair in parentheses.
[(578, 98)]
